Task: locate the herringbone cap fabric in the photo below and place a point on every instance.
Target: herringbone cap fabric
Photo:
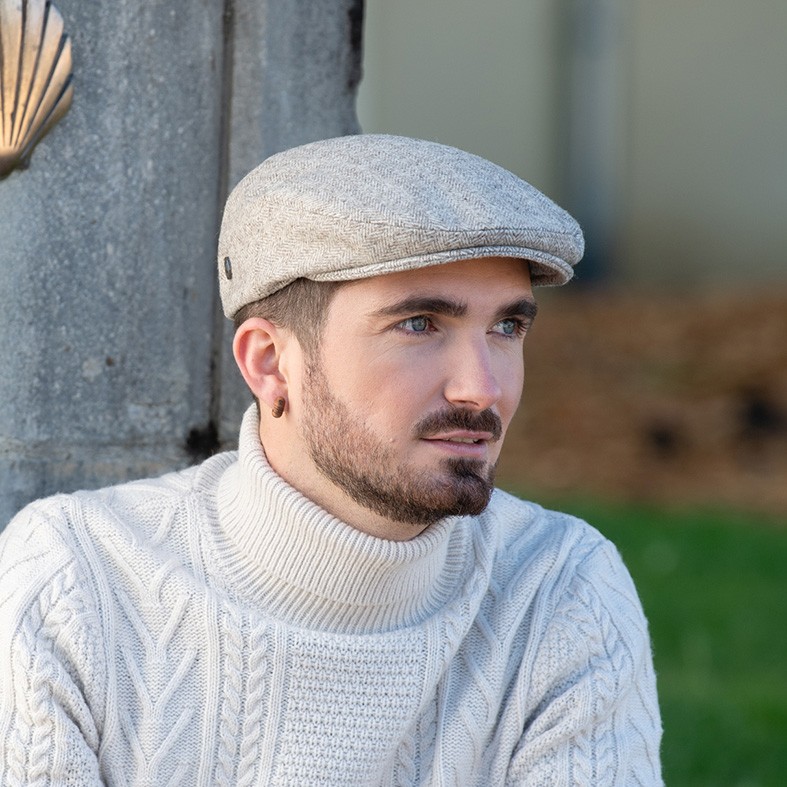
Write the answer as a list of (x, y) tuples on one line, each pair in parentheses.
[(370, 204)]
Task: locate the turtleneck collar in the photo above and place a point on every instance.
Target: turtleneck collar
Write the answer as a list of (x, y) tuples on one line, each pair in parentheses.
[(281, 551)]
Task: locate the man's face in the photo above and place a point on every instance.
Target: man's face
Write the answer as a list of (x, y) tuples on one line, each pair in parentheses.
[(419, 373)]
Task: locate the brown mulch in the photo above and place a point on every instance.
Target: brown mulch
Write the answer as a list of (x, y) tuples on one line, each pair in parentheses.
[(656, 398)]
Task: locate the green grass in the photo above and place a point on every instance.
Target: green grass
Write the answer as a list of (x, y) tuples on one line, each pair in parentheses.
[(714, 588)]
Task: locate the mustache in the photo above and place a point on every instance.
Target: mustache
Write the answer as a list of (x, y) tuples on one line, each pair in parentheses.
[(457, 418)]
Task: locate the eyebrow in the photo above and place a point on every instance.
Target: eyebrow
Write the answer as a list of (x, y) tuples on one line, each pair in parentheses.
[(522, 307), (425, 304)]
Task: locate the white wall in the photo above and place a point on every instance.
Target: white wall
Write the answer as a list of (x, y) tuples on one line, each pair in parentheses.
[(707, 162), (476, 75), (700, 117)]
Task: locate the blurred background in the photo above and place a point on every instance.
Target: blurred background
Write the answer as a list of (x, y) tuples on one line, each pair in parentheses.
[(655, 399)]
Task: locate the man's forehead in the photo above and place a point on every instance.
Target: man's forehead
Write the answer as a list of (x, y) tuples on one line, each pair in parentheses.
[(470, 292)]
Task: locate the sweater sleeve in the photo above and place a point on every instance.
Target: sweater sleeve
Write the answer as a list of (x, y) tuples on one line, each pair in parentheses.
[(51, 660), (595, 717)]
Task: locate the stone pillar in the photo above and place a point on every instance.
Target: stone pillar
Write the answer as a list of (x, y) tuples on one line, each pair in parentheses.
[(113, 355)]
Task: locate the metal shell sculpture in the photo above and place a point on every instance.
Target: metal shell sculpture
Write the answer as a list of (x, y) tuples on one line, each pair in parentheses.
[(35, 77)]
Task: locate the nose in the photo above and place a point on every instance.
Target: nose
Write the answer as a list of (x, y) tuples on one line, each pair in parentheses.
[(472, 378)]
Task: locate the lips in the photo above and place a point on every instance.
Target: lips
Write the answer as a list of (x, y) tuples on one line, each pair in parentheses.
[(461, 445), (462, 439), (460, 426)]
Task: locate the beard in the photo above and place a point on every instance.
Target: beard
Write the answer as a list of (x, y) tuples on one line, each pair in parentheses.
[(368, 470)]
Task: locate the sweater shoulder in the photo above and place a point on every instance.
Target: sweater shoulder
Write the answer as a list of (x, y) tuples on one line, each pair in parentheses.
[(530, 536), (135, 506), (139, 522), (140, 504), (562, 556), (583, 585)]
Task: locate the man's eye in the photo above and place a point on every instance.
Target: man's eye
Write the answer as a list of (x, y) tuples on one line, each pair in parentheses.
[(415, 324), (509, 327)]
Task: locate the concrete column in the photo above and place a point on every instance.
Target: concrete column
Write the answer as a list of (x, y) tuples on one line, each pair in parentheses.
[(112, 358), (292, 86)]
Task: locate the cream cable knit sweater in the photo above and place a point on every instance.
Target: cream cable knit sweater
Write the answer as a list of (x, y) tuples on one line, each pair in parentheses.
[(214, 627)]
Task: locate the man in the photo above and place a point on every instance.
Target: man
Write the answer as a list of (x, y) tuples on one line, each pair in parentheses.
[(346, 600)]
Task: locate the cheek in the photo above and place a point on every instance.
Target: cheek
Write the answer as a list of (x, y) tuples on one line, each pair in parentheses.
[(511, 379), (389, 399), (392, 404), (388, 378)]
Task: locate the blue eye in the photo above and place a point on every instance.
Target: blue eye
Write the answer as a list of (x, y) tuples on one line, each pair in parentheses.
[(511, 326), (416, 324)]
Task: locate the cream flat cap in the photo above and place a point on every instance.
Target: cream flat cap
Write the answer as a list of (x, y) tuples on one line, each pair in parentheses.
[(371, 204)]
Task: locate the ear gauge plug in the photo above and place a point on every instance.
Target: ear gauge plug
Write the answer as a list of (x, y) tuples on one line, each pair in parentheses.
[(278, 407)]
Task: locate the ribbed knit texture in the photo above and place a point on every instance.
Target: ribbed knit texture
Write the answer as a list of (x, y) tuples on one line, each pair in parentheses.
[(214, 627)]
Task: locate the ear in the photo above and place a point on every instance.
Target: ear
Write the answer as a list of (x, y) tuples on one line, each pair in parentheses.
[(258, 347)]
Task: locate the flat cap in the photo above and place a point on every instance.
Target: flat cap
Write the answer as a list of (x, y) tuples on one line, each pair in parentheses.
[(364, 205)]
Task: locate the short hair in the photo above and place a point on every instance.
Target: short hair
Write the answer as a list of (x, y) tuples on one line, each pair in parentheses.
[(300, 307)]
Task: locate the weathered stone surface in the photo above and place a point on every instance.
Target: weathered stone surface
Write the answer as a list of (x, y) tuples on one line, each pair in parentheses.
[(289, 88), (109, 339)]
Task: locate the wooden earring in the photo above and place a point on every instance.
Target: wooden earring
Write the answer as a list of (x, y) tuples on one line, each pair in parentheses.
[(278, 407)]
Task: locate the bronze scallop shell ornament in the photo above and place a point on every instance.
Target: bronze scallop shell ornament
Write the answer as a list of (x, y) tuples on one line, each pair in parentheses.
[(35, 77)]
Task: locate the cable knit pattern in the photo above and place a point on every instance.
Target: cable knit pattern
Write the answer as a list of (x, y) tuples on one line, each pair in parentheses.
[(215, 627), (255, 701)]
